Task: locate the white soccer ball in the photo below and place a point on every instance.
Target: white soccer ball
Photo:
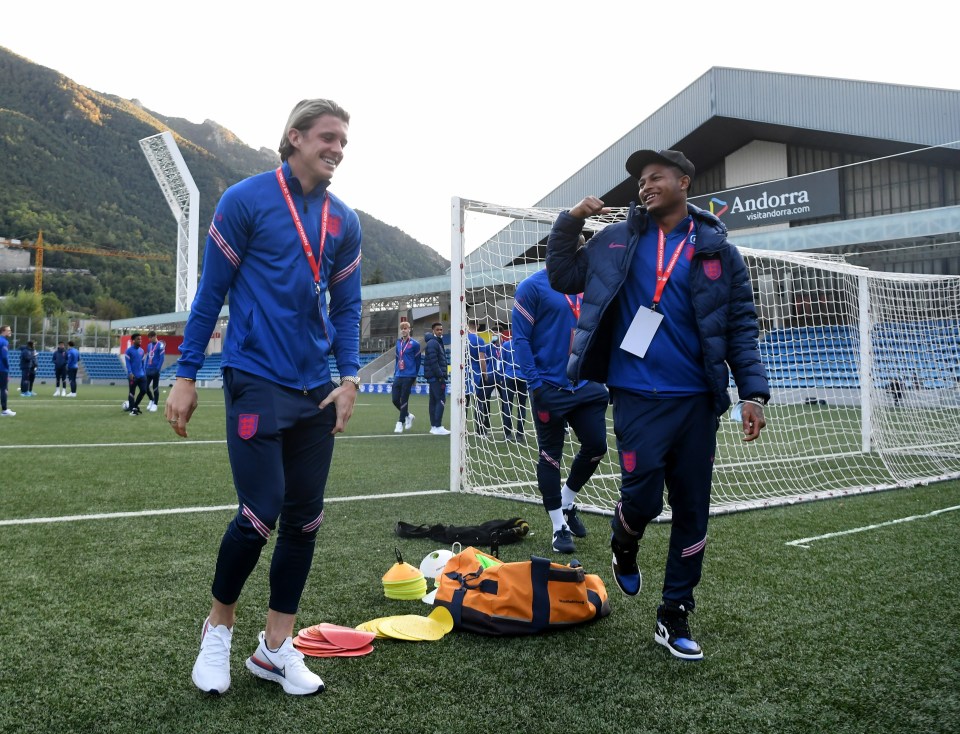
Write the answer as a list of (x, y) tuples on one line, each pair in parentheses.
[(126, 405)]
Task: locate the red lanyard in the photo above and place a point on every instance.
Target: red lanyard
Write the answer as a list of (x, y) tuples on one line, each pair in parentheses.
[(664, 275), (575, 304), (307, 250)]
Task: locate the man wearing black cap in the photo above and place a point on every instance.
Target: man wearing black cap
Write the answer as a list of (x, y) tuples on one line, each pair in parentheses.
[(667, 314)]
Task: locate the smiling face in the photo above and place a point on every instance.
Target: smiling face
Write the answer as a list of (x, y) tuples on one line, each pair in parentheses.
[(318, 150), (663, 190)]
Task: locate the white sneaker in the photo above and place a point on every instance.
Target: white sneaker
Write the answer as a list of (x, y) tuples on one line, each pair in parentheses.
[(56, 393), (72, 395), (441, 431), (10, 413), (211, 672), (152, 407), (398, 428), (284, 666), (408, 424)]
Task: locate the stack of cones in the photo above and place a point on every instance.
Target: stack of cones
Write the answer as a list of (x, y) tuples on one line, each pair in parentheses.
[(403, 581)]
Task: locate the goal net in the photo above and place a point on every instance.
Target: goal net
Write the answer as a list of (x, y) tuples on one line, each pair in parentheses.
[(864, 371)]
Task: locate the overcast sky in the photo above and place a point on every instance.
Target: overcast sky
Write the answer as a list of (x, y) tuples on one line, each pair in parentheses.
[(497, 101)]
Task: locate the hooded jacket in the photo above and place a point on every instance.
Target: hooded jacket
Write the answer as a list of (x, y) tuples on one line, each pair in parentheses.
[(721, 294)]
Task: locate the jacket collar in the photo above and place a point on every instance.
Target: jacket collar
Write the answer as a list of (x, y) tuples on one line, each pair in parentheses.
[(295, 187)]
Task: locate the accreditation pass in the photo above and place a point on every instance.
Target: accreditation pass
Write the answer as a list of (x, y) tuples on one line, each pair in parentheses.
[(641, 332)]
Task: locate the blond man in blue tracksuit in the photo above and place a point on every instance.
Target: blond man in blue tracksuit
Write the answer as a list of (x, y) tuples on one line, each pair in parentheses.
[(287, 252)]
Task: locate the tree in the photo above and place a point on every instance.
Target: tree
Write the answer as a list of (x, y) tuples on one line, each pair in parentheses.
[(23, 303), (110, 309), (52, 305)]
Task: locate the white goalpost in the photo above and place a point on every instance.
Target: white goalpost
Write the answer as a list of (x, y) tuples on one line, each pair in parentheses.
[(864, 371)]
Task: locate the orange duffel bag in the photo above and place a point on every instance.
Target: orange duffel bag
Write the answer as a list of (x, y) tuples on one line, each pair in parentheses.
[(490, 597)]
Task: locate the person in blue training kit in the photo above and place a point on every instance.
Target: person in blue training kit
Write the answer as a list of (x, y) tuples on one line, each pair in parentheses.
[(5, 332), (543, 326), (668, 313), (480, 378), (153, 362), (136, 376), (435, 373), (281, 245), (406, 368), (28, 369), (73, 366), (60, 370), (510, 385)]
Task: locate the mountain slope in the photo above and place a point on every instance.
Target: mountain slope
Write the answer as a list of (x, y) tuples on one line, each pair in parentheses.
[(71, 165)]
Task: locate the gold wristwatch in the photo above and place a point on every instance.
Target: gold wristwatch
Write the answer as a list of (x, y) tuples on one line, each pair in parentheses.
[(350, 378)]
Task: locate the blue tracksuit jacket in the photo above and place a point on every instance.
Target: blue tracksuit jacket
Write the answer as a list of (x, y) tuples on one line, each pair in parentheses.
[(253, 248), (543, 326)]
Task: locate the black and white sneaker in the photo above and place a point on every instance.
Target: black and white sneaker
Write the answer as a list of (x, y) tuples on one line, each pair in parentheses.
[(571, 517), (626, 572), (673, 632), (563, 541)]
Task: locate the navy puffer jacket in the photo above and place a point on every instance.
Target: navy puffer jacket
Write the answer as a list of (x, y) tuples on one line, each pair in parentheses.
[(434, 358), (719, 282)]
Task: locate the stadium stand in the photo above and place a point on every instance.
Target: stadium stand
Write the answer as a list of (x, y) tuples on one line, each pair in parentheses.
[(100, 366)]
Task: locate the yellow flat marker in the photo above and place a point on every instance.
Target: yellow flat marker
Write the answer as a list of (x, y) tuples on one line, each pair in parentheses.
[(415, 627), (386, 626), (442, 616), (373, 626)]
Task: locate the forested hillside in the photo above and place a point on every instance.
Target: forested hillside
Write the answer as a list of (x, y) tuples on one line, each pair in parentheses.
[(71, 166)]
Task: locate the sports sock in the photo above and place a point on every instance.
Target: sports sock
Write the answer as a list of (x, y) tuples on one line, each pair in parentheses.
[(556, 517), (567, 497)]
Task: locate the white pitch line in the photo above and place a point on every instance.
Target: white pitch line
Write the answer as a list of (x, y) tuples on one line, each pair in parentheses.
[(803, 542), (188, 510), (173, 442), (107, 445)]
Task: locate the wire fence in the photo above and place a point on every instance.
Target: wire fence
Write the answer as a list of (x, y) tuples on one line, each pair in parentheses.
[(87, 334)]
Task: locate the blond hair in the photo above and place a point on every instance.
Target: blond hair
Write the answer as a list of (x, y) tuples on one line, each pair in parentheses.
[(302, 117)]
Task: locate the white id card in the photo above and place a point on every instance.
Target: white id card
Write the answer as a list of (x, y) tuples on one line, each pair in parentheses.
[(641, 332)]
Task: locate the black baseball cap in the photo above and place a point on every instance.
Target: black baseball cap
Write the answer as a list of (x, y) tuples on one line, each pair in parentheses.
[(637, 161)]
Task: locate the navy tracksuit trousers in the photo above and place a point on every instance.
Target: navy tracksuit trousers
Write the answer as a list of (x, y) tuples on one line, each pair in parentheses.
[(669, 443), (585, 410), (280, 447)]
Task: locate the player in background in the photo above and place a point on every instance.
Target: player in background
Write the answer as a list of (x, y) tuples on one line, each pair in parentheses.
[(511, 387), (60, 370), (73, 366), (153, 363), (480, 380), (435, 373), (5, 332), (406, 368), (543, 326), (136, 376)]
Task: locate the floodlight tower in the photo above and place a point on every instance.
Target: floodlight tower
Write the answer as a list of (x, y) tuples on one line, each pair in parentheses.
[(183, 197)]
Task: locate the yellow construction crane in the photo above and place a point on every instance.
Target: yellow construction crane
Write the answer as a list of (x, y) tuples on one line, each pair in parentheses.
[(39, 246)]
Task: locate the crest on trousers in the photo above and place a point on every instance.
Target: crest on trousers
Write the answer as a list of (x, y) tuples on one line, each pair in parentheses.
[(544, 416), (712, 269), (247, 425), (629, 460)]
